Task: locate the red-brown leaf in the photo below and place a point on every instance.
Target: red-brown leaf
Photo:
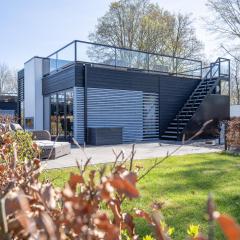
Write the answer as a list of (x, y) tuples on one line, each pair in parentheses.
[(74, 180), (103, 223), (230, 228), (125, 185)]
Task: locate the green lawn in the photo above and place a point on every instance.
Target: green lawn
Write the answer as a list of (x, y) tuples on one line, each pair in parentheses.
[(183, 183)]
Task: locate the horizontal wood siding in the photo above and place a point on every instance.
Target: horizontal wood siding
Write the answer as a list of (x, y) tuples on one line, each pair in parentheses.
[(173, 92), (8, 106), (116, 108), (58, 81), (20, 83), (78, 114), (103, 107), (79, 74), (124, 80), (21, 74)]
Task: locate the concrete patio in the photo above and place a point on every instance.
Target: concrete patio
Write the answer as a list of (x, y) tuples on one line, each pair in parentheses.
[(104, 154)]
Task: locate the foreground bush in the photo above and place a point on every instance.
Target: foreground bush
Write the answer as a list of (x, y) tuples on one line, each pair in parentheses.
[(88, 207), (233, 133)]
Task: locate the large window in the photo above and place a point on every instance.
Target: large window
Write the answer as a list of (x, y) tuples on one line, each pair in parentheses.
[(61, 116), (61, 113)]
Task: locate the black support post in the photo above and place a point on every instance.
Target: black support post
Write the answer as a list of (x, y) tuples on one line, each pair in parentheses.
[(85, 105), (75, 50), (159, 110)]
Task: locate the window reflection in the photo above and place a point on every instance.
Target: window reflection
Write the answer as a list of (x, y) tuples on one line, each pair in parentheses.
[(69, 113), (61, 113), (61, 118)]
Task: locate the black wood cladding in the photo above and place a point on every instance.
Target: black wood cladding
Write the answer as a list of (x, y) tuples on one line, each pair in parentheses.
[(59, 81), (20, 83), (120, 79), (173, 91)]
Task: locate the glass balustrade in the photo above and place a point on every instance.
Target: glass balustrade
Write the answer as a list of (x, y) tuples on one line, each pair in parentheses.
[(86, 52)]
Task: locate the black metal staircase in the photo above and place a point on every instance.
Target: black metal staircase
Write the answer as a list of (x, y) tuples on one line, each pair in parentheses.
[(206, 86)]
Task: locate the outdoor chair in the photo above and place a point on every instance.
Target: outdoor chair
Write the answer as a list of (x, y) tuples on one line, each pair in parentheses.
[(49, 149)]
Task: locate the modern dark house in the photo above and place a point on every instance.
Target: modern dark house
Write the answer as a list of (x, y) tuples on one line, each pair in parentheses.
[(102, 94)]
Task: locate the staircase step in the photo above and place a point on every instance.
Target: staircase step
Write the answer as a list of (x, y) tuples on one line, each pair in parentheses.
[(199, 93), (193, 103), (169, 137), (175, 128), (206, 83), (197, 97), (178, 124), (194, 100), (187, 112), (189, 109), (170, 132), (182, 115), (203, 84), (203, 88), (184, 118), (209, 82), (181, 120)]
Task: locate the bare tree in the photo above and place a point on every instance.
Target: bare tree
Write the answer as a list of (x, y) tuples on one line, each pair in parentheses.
[(225, 17), (224, 20), (8, 79), (183, 41), (139, 24), (235, 81)]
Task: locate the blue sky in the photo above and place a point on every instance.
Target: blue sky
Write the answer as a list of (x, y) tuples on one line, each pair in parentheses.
[(38, 27)]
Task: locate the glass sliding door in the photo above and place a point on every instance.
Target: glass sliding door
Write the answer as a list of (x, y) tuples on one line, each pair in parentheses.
[(61, 114), (69, 113), (53, 115)]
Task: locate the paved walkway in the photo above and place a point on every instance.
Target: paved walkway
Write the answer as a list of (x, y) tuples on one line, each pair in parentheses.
[(104, 154)]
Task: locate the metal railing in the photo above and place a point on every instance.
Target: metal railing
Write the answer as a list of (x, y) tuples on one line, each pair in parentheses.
[(220, 69), (93, 53)]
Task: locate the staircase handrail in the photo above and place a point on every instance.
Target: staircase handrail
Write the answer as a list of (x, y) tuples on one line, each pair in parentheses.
[(212, 65)]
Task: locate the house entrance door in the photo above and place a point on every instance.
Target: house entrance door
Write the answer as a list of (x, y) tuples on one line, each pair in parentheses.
[(61, 115)]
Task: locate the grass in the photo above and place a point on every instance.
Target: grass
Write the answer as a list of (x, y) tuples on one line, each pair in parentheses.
[(183, 184)]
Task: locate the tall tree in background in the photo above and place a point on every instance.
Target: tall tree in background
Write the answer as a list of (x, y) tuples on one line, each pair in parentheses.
[(235, 81), (141, 25), (8, 79), (225, 18), (225, 22)]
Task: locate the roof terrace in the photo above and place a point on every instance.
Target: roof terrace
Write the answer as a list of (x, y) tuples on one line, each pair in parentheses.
[(111, 56)]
